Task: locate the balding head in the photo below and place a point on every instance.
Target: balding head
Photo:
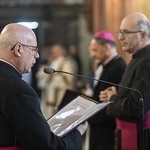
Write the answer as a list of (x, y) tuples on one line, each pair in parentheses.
[(137, 21), (15, 33), (134, 33), (18, 46)]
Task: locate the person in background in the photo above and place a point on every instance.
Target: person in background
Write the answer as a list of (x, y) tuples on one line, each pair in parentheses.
[(73, 52), (109, 67), (58, 83), (43, 78), (22, 124), (131, 108)]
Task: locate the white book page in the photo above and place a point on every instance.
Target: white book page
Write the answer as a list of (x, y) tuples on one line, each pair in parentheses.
[(84, 117), (69, 114)]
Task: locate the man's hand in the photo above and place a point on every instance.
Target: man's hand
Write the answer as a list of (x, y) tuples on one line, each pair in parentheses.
[(82, 127), (107, 94)]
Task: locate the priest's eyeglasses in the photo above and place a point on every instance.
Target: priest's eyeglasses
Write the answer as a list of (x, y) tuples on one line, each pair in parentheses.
[(126, 33), (33, 48)]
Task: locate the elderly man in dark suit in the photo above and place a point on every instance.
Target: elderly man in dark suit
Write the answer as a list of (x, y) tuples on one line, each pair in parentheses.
[(22, 124), (131, 108)]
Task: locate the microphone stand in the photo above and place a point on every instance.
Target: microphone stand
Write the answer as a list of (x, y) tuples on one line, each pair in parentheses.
[(140, 100), (141, 124)]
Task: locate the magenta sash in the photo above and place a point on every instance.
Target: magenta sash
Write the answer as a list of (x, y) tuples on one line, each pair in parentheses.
[(129, 132), (10, 148)]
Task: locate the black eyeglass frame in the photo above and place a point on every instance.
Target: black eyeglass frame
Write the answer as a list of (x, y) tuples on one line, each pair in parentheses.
[(34, 48), (126, 32)]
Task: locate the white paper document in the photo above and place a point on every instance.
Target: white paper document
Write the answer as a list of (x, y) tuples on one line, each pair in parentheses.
[(73, 114)]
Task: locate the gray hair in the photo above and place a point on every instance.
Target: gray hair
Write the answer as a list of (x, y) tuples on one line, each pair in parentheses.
[(144, 25)]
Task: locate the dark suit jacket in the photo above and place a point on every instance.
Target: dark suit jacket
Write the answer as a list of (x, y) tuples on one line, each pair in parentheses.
[(102, 125), (21, 119)]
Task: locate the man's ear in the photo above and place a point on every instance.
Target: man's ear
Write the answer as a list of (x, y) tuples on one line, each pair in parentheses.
[(18, 50), (107, 48), (143, 35)]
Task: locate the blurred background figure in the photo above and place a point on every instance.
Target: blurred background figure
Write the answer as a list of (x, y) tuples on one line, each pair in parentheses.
[(73, 52), (42, 78), (57, 83), (108, 66)]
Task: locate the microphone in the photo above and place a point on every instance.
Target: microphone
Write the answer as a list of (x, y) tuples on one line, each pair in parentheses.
[(51, 71)]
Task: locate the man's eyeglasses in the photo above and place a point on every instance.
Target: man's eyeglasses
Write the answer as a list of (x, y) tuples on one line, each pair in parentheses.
[(33, 48), (126, 32)]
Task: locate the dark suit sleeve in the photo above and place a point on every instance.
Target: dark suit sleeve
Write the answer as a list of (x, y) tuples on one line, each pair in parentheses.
[(31, 128), (126, 104)]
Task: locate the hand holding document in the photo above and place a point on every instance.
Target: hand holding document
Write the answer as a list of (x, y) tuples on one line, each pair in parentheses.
[(82, 127), (74, 114)]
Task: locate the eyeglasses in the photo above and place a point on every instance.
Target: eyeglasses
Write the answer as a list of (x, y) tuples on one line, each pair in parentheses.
[(126, 32), (33, 48)]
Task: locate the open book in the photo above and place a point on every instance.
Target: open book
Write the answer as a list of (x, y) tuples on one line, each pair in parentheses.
[(73, 114)]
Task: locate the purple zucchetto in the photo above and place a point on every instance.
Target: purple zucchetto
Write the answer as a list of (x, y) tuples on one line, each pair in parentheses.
[(104, 35)]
